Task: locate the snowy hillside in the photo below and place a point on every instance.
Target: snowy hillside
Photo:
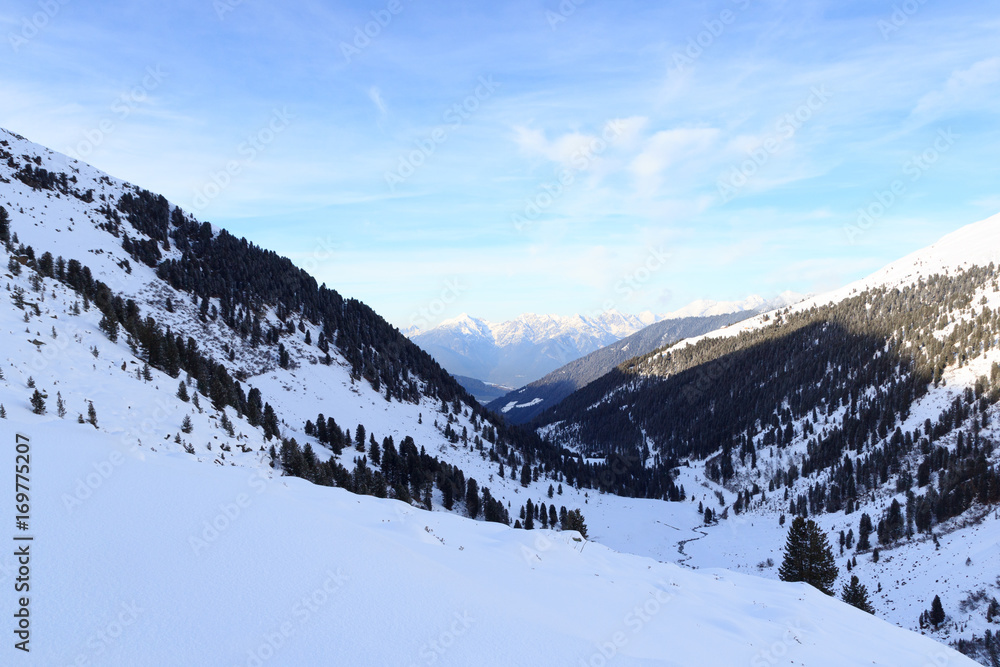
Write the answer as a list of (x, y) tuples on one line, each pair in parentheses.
[(878, 400), (172, 438), (170, 562), (754, 303)]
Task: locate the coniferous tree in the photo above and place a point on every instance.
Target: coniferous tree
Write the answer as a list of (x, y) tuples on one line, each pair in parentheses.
[(472, 501), (109, 325), (186, 425), (574, 521), (937, 615), (38, 403), (3, 412), (60, 405), (808, 556), (864, 530), (856, 595), (4, 226), (91, 414), (182, 392)]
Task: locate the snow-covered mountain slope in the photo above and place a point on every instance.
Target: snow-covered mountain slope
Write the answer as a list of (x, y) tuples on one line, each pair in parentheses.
[(754, 303), (519, 351), (878, 399), (178, 495), (170, 562)]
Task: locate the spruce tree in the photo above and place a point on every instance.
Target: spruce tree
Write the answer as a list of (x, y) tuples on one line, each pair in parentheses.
[(808, 556), (38, 403), (109, 325), (4, 225), (856, 595), (574, 521), (91, 414), (472, 501), (186, 425), (3, 412), (937, 611), (182, 392), (864, 530)]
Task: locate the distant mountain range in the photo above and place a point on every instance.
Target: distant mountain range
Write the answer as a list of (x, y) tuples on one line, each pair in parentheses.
[(516, 352), (522, 405)]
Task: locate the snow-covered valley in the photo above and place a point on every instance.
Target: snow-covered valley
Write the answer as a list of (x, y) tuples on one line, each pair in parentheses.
[(164, 532)]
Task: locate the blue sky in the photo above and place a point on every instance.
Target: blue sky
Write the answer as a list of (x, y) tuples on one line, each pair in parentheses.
[(500, 158)]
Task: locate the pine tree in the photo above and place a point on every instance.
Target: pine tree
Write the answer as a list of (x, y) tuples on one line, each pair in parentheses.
[(864, 530), (182, 392), (109, 325), (856, 595), (529, 515), (186, 425), (38, 403), (227, 425), (472, 501), (574, 521), (91, 414), (4, 226), (808, 556), (937, 611), (60, 405), (3, 412)]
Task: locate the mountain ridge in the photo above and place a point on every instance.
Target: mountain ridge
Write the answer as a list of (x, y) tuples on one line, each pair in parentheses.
[(521, 350)]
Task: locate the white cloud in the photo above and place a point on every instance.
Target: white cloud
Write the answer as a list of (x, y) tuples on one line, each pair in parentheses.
[(961, 88), (666, 149), (375, 95)]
